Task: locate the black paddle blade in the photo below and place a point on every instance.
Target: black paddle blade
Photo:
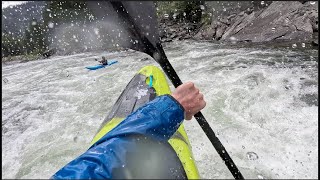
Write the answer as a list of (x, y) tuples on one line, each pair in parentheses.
[(135, 23)]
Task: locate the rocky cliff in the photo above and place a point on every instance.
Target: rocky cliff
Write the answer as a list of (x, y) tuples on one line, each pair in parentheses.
[(249, 21)]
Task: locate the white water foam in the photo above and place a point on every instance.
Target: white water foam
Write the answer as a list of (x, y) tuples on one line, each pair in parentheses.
[(259, 104)]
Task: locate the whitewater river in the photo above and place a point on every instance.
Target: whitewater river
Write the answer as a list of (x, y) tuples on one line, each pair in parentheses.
[(262, 103)]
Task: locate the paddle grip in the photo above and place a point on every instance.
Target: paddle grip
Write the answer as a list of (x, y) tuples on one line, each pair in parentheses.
[(174, 78), (156, 48)]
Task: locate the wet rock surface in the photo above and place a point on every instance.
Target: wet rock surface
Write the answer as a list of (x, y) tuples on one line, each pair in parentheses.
[(173, 30), (278, 20)]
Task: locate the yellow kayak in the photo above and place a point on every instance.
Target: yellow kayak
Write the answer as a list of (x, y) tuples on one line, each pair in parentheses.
[(148, 83)]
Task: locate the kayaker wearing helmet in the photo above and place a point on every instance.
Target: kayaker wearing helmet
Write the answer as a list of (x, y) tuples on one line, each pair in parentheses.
[(157, 120), (104, 61)]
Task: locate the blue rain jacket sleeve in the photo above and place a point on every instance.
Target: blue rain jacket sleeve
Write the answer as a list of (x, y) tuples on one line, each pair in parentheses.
[(158, 119)]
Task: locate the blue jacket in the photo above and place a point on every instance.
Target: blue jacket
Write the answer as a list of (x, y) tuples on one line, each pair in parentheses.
[(158, 119)]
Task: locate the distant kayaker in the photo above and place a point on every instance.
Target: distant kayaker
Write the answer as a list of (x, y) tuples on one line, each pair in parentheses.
[(104, 61), (111, 156)]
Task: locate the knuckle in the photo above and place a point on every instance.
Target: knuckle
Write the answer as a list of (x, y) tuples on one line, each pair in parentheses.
[(197, 91), (201, 95), (190, 84)]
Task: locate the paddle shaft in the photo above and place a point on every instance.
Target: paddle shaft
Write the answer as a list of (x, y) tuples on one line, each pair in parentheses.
[(174, 78), (156, 51)]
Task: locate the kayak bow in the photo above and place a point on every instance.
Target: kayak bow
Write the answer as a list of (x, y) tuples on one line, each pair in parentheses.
[(132, 98)]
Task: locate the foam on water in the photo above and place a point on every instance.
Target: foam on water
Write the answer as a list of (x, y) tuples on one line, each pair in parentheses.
[(261, 103)]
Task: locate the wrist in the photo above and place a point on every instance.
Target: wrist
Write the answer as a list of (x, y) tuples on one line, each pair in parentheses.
[(178, 103)]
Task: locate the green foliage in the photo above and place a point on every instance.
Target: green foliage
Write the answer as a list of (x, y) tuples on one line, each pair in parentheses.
[(11, 45), (68, 13), (33, 42), (39, 35), (206, 19), (188, 11), (34, 39), (65, 12)]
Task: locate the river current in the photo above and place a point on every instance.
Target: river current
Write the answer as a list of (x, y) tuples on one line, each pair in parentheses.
[(262, 103)]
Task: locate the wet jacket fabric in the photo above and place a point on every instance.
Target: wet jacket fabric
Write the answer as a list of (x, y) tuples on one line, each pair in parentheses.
[(158, 119)]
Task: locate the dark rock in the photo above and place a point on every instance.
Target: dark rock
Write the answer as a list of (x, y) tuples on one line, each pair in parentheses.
[(172, 29), (231, 16), (238, 25), (207, 32), (225, 20), (161, 33), (249, 11), (166, 40), (188, 36), (49, 53), (311, 11), (220, 30), (241, 14), (315, 42), (210, 34), (199, 35), (182, 33), (177, 30), (174, 35)]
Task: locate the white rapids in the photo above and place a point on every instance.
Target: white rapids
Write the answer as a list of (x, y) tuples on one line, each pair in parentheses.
[(261, 103)]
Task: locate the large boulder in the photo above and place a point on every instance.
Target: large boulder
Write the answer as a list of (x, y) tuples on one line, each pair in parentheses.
[(241, 22), (280, 20)]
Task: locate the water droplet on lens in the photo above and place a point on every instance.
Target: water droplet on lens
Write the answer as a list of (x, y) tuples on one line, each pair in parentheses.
[(50, 25), (260, 177), (5, 80), (252, 156), (233, 39)]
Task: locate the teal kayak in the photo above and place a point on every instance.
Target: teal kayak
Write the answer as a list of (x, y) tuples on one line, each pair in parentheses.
[(110, 62)]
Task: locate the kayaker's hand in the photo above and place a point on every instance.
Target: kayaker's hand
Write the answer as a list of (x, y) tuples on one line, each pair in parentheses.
[(190, 98)]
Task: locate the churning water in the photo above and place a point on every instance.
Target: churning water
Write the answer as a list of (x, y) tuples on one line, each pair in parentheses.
[(262, 103)]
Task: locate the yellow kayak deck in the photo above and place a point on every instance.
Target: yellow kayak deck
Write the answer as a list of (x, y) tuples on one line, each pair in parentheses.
[(179, 141)]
